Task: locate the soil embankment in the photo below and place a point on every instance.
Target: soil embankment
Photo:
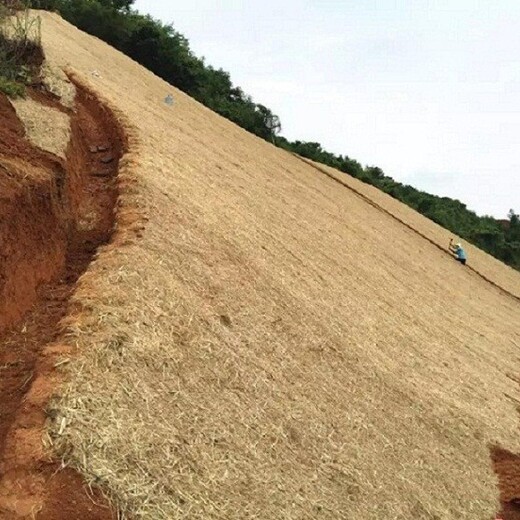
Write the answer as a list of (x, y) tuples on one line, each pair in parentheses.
[(54, 215)]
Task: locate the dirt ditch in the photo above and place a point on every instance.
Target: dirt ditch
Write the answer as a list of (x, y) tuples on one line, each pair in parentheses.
[(54, 215)]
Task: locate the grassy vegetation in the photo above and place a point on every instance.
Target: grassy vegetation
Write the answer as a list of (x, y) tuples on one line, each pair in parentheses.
[(12, 89), (20, 49)]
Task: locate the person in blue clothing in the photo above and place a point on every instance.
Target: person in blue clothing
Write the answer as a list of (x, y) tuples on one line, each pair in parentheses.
[(458, 252)]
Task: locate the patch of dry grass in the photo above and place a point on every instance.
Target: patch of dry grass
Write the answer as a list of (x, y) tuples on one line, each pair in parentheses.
[(501, 274), (270, 345), (56, 82), (46, 127)]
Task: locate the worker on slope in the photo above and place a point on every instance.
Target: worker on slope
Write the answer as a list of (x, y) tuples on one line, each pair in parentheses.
[(458, 252)]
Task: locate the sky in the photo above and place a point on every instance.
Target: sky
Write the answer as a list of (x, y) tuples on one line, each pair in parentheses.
[(428, 90)]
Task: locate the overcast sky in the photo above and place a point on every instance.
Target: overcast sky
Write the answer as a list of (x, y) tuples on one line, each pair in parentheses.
[(429, 90)]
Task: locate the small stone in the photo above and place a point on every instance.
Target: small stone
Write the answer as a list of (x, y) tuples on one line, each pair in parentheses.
[(103, 148), (225, 320), (93, 149), (107, 159)]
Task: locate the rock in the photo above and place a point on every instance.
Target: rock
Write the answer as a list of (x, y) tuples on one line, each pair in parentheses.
[(107, 159), (225, 320)]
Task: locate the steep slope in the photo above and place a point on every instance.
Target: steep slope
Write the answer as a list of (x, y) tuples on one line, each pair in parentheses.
[(485, 265), (272, 345)]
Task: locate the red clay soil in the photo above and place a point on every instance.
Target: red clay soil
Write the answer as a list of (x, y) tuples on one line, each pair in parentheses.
[(10, 122), (507, 469), (43, 252)]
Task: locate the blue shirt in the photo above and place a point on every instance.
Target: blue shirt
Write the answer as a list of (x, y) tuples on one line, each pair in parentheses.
[(461, 255)]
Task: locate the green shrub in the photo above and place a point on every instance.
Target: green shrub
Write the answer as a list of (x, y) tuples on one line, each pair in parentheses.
[(21, 54), (11, 88)]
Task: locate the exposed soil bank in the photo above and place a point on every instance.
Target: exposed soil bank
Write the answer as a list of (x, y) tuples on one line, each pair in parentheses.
[(54, 215), (32, 236), (507, 468)]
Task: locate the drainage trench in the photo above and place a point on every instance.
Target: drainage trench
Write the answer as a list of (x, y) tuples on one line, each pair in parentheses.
[(54, 215)]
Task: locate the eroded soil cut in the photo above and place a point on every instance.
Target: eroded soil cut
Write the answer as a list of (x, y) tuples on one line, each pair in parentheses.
[(507, 469), (54, 215)]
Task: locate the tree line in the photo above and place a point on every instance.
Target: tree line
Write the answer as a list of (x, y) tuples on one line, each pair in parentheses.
[(166, 52)]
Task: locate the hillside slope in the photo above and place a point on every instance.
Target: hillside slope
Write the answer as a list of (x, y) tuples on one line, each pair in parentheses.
[(271, 345)]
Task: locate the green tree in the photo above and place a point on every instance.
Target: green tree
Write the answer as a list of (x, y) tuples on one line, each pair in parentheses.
[(118, 4)]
